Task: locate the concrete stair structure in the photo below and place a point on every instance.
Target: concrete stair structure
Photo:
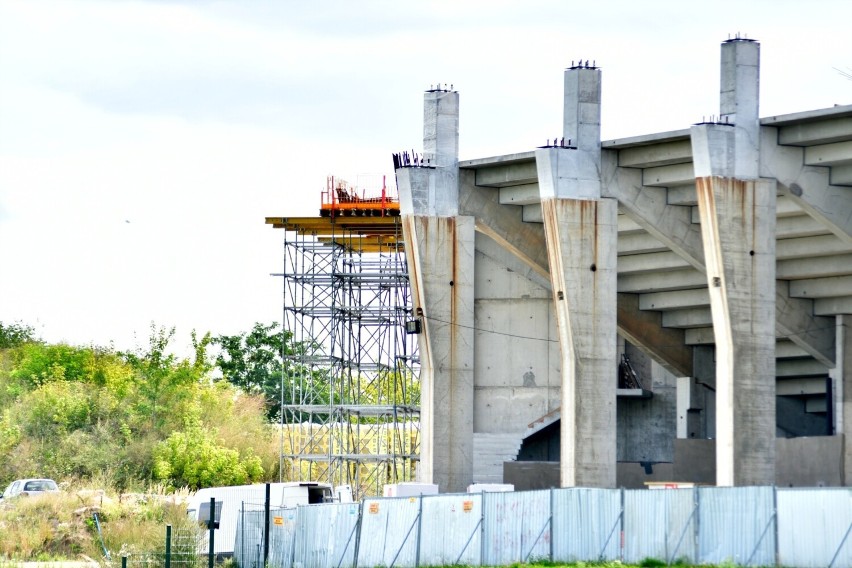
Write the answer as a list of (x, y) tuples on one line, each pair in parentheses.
[(489, 453)]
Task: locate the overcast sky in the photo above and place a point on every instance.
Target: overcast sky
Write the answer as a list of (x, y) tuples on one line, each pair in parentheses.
[(143, 143)]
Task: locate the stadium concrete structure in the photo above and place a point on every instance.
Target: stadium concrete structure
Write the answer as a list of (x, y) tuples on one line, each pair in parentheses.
[(718, 258), (675, 306)]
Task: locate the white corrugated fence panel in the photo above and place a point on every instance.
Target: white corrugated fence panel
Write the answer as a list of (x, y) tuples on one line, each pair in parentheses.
[(516, 527), (248, 541), (812, 526), (451, 530), (736, 524), (660, 524), (586, 524), (327, 535), (388, 531)]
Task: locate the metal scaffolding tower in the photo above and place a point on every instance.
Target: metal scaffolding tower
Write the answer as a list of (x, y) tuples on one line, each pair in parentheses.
[(350, 405)]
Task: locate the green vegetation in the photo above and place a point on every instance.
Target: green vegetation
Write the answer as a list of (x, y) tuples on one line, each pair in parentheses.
[(144, 423), (137, 428), (133, 418)]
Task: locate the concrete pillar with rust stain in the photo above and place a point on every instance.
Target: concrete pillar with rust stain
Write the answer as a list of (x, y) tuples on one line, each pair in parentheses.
[(737, 212), (581, 229), (439, 245)]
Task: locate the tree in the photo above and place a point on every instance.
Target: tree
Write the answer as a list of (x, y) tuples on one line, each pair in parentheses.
[(15, 334), (257, 363), (164, 380), (192, 458)]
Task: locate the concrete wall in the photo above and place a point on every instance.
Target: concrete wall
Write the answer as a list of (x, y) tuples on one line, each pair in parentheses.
[(631, 475), (800, 462), (646, 426), (516, 370), (809, 462), (695, 460), (526, 476)]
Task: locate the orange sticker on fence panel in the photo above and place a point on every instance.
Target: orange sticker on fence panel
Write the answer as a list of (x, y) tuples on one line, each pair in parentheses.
[(278, 520), (374, 508), (467, 506)]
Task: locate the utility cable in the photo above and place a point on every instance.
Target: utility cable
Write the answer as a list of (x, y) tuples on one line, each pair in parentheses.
[(548, 340)]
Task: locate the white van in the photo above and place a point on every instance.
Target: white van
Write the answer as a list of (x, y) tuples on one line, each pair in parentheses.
[(229, 501)]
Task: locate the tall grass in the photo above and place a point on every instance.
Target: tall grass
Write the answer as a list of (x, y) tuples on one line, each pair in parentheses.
[(61, 525)]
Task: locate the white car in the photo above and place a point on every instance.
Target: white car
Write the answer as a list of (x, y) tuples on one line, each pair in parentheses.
[(29, 487)]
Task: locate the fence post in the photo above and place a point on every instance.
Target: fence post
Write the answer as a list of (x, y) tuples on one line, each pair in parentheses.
[(419, 529), (775, 511), (266, 519), (552, 512), (358, 532), (211, 525), (621, 532), (697, 533), (168, 546), (124, 562), (482, 559)]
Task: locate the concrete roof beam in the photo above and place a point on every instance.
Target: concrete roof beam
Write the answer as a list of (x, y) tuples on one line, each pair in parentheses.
[(645, 330), (816, 132), (800, 368), (785, 349), (833, 306), (814, 267), (797, 387), (661, 282), (649, 208), (668, 176), (656, 155), (798, 227), (503, 224), (699, 336), (504, 175), (691, 317), (807, 247), (532, 213), (836, 154), (676, 300), (526, 194), (627, 226), (794, 320), (683, 195), (841, 175), (831, 287), (639, 243), (651, 262)]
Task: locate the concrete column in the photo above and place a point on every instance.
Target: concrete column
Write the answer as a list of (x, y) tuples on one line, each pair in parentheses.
[(737, 212), (439, 246), (841, 377), (581, 231)]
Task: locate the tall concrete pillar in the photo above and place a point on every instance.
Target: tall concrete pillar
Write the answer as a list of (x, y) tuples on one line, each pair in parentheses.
[(841, 377), (737, 212), (581, 228), (439, 245)]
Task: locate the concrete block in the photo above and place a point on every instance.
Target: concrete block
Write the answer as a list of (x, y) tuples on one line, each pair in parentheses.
[(529, 475), (809, 462), (409, 489), (695, 460)]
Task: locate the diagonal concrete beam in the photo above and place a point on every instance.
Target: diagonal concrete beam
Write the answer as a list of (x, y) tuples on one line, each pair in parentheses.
[(526, 242), (794, 320), (808, 186), (667, 346), (503, 223), (648, 207)]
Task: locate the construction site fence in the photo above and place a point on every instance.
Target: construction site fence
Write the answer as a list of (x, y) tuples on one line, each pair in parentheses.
[(746, 526)]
